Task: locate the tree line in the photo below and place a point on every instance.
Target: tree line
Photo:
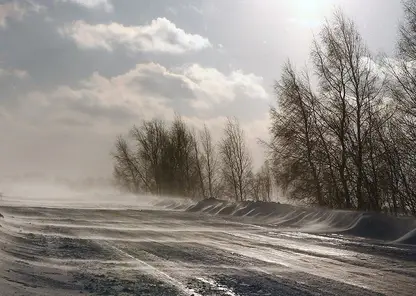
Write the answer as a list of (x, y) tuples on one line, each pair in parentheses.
[(342, 134), (173, 159), (347, 138)]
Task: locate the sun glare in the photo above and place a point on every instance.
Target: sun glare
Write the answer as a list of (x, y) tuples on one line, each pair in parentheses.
[(309, 12)]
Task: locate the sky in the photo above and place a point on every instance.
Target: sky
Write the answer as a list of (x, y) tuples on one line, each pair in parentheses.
[(74, 74)]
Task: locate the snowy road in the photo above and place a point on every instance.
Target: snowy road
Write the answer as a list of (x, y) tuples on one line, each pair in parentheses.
[(154, 252)]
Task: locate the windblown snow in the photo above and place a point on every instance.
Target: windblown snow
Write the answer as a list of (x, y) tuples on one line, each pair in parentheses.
[(312, 220), (111, 244)]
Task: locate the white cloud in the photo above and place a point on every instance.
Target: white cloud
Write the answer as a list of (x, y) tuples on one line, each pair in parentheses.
[(11, 11), (145, 92), (93, 4), (160, 36), (98, 101), (17, 10), (213, 87)]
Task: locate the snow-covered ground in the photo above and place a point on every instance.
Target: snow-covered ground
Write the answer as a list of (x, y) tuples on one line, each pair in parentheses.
[(121, 245)]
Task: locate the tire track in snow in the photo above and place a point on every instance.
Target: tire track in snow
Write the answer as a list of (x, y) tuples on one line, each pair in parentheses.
[(157, 272), (174, 266), (294, 260), (324, 267)]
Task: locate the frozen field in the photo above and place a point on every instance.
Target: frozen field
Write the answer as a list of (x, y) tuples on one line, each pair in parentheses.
[(168, 250)]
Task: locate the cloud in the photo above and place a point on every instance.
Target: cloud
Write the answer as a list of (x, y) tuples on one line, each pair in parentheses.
[(97, 102), (145, 92), (213, 87), (17, 73), (11, 11), (16, 10), (73, 127), (160, 36), (80, 122), (93, 4)]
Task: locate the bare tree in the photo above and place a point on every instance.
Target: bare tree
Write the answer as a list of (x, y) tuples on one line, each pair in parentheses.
[(200, 165), (210, 161), (402, 86), (160, 159), (353, 88), (236, 160), (332, 71), (326, 142), (261, 184), (407, 41), (266, 178), (126, 170), (151, 142), (294, 139), (184, 158)]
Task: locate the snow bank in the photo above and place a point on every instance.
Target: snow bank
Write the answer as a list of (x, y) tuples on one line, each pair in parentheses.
[(288, 217), (409, 238), (379, 226), (171, 203)]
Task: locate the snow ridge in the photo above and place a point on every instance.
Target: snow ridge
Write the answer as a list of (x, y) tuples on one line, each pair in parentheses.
[(397, 230)]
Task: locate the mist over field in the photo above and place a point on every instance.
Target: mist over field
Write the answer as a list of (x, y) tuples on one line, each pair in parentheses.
[(207, 147)]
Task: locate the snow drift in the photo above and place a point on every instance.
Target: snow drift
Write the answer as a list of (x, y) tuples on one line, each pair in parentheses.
[(287, 217)]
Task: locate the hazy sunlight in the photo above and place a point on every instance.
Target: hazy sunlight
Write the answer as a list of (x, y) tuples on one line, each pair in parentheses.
[(309, 12)]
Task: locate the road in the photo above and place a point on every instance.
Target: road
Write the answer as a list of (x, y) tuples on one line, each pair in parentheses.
[(55, 251)]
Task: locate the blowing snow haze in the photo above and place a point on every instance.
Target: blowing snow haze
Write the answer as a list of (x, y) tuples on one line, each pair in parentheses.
[(76, 73), (192, 148)]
